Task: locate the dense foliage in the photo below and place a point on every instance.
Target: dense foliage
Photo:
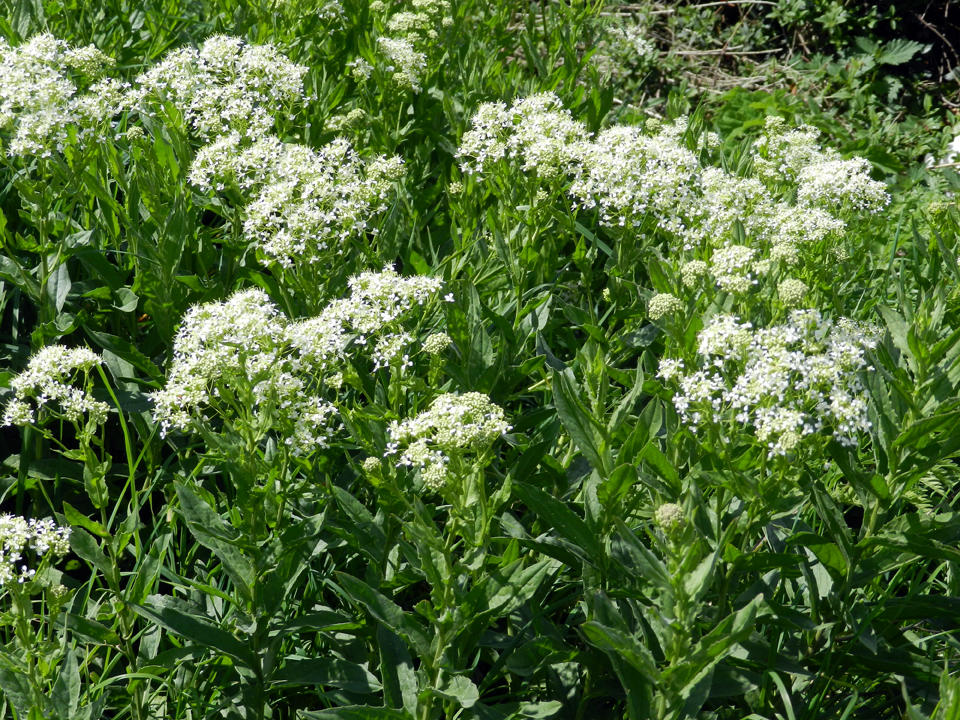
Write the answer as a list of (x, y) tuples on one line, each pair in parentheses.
[(454, 359)]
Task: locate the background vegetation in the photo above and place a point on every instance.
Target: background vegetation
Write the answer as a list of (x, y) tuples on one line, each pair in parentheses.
[(598, 559)]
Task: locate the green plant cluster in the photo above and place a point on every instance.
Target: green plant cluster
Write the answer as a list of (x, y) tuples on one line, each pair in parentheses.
[(452, 359)]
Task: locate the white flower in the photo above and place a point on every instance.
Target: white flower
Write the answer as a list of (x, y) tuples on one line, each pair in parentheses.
[(692, 271), (246, 360), (780, 154), (46, 385), (839, 184), (537, 130), (390, 349), (628, 176), (307, 204), (436, 343), (41, 98), (18, 535), (408, 64), (663, 305), (669, 368), (670, 518), (788, 381), (452, 425), (226, 86), (732, 267), (792, 291), (724, 336), (360, 69)]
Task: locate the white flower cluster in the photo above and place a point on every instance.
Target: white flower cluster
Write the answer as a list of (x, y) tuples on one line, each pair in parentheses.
[(406, 64), (726, 200), (18, 535), (537, 130), (792, 291), (664, 305), (246, 359), (46, 385), (226, 86), (839, 184), (670, 518), (421, 21), (452, 425), (732, 267), (632, 177), (822, 177), (624, 48), (40, 95), (412, 34), (779, 154), (628, 175), (436, 343), (331, 11), (234, 344), (787, 381), (305, 203)]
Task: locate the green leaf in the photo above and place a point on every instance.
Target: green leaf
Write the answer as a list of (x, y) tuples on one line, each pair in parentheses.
[(627, 648), (833, 521), (583, 429), (370, 537), (75, 517), (652, 455), (86, 546), (295, 670), (170, 614), (640, 557), (325, 620), (58, 285), (899, 51), (11, 270), (920, 433), (458, 688), (355, 712), (213, 532), (95, 484), (65, 695), (125, 350), (399, 679), (949, 704), (418, 263), (90, 630), (611, 491), (713, 647), (627, 402), (126, 300), (698, 582), (568, 525), (899, 330), (16, 688), (386, 612), (538, 710), (501, 592)]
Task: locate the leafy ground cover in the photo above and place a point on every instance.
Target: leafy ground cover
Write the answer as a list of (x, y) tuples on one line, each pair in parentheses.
[(456, 359)]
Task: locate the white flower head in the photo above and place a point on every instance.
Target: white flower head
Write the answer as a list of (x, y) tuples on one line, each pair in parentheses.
[(46, 96), (536, 130), (664, 305), (227, 85), (44, 539), (787, 381), (47, 386), (452, 425)]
